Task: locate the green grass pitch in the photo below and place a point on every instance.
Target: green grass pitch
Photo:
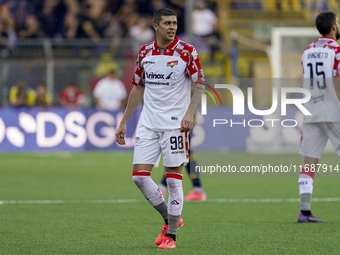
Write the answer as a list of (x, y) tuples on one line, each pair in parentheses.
[(75, 216)]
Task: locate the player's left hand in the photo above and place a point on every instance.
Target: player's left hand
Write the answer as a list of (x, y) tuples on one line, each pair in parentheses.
[(120, 135), (186, 123)]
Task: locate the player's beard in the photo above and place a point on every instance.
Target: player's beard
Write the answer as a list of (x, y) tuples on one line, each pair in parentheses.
[(166, 39), (337, 35)]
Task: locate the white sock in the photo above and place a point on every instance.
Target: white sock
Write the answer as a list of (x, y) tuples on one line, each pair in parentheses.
[(175, 188), (175, 201), (305, 184)]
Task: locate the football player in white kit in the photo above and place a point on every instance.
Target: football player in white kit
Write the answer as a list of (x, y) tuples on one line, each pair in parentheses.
[(165, 71), (321, 66)]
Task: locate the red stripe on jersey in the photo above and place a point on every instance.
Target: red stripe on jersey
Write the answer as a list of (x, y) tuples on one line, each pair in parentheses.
[(141, 173), (173, 175), (170, 47), (186, 141), (173, 44), (138, 85), (306, 171), (156, 52), (184, 56), (186, 145), (169, 52), (139, 71)]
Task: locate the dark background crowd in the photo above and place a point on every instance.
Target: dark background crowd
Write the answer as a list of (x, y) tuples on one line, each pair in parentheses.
[(121, 22), (92, 19)]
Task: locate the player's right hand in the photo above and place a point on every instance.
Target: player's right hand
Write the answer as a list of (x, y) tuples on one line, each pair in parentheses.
[(120, 134)]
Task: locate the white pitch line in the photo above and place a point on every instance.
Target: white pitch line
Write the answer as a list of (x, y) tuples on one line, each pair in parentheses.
[(113, 201), (135, 201)]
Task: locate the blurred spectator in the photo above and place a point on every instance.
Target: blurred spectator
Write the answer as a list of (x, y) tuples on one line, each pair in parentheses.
[(204, 20), (121, 23), (157, 4), (50, 14), (141, 33), (94, 19), (71, 96), (71, 26), (110, 93), (7, 25), (32, 28), (20, 9), (147, 7), (43, 99), (126, 17), (204, 25), (115, 32), (20, 95), (72, 6), (113, 6), (95, 9), (3, 37)]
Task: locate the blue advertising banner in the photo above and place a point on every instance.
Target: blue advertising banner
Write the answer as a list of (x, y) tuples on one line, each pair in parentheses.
[(59, 129)]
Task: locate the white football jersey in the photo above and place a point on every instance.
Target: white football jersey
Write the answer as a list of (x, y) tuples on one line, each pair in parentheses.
[(320, 61), (167, 75)]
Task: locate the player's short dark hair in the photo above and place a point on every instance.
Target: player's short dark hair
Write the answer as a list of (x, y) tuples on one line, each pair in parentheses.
[(157, 16), (324, 22)]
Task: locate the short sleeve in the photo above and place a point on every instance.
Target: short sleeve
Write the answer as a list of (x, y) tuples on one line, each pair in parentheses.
[(336, 67), (194, 69), (139, 76)]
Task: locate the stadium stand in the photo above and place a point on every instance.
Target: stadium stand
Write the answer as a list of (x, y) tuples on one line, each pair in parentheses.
[(62, 41)]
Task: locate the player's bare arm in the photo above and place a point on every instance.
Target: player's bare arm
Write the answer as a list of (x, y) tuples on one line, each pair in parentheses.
[(135, 98), (188, 119)]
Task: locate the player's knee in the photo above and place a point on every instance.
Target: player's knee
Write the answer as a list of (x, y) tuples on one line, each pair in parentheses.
[(139, 180)]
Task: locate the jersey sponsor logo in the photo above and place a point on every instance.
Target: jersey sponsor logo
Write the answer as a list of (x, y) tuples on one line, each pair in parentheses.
[(154, 75), (168, 77), (149, 62), (158, 83), (174, 118), (172, 63), (177, 152), (174, 202)]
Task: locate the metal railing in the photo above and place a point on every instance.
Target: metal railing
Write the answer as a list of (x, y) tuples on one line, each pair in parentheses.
[(58, 62)]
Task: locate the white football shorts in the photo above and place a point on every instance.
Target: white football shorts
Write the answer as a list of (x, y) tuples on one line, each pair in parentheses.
[(150, 144), (315, 137)]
